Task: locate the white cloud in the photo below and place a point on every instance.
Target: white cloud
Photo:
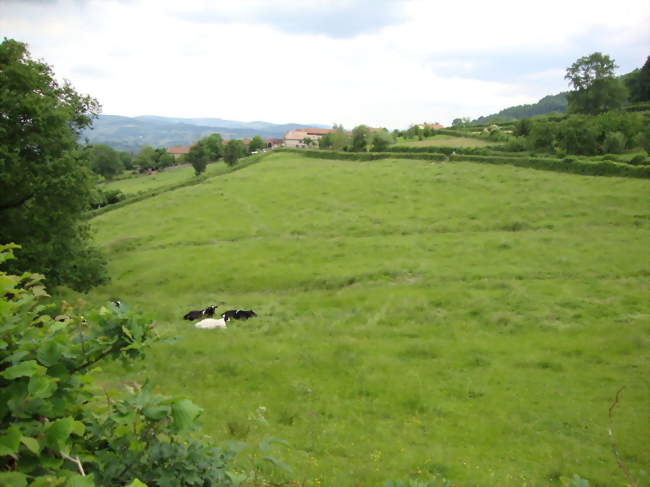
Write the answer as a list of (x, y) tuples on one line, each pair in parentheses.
[(409, 62)]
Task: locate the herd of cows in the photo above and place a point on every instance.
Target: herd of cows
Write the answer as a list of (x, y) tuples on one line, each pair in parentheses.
[(211, 323)]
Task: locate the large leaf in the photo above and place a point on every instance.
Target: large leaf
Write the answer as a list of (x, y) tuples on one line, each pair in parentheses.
[(41, 386), (80, 481), (184, 413), (49, 353), (58, 432), (136, 483), (13, 479), (31, 444), (23, 369), (10, 441)]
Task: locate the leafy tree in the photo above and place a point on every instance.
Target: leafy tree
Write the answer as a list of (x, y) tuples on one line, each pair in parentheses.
[(542, 136), (360, 138), (57, 427), (596, 89), (638, 83), (198, 156), (381, 139), (163, 158), (308, 141), (233, 151), (461, 122), (214, 145), (340, 139), (126, 159), (578, 134), (523, 127), (146, 158), (105, 160), (45, 183), (325, 142), (256, 144)]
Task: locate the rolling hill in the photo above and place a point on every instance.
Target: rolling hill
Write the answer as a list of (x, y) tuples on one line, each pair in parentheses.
[(416, 320), (131, 133)]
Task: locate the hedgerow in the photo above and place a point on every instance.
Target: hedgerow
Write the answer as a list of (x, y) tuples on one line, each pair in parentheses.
[(567, 165)]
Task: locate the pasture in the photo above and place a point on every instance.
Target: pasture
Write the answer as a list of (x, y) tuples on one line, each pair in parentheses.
[(445, 141), (416, 320), (171, 175)]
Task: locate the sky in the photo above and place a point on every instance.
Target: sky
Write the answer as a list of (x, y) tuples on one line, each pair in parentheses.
[(383, 63)]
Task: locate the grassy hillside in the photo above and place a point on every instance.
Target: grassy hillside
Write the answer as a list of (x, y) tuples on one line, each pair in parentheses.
[(416, 320)]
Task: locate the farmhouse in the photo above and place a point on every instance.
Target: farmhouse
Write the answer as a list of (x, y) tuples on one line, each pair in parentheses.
[(273, 143), (294, 138), (435, 126), (178, 151)]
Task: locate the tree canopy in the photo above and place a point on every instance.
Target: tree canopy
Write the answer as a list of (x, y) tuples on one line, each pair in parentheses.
[(596, 88), (233, 151), (45, 183)]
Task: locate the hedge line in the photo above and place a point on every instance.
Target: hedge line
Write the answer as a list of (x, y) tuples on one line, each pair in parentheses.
[(477, 151), (567, 165), (362, 156)]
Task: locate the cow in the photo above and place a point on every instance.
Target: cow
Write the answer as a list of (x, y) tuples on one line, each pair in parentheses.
[(238, 314), (211, 323), (196, 314)]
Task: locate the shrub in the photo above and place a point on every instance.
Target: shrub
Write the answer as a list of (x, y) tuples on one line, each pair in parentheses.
[(639, 159), (58, 428), (614, 142)]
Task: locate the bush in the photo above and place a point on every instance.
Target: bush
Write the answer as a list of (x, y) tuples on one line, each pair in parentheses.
[(640, 159), (516, 144), (614, 143), (58, 428)]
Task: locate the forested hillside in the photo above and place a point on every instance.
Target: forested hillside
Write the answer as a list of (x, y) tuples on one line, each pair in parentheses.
[(548, 104)]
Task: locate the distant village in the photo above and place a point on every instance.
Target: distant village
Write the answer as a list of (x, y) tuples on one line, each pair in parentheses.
[(293, 138)]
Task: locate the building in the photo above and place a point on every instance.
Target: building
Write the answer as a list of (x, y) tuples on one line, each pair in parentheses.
[(178, 151), (434, 126), (295, 138), (273, 143)]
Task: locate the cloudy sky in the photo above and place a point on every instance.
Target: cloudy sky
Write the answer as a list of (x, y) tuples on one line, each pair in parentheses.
[(385, 63)]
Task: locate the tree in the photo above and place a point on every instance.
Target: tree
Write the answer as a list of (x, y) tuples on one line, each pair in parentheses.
[(360, 138), (523, 127), (461, 122), (340, 139), (380, 140), (214, 145), (325, 142), (256, 144), (147, 158), (126, 159), (596, 89), (198, 156), (308, 141), (233, 151), (105, 160), (45, 183), (638, 83)]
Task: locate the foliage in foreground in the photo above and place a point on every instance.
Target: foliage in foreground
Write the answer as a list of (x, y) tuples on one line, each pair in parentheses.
[(57, 427), (45, 183)]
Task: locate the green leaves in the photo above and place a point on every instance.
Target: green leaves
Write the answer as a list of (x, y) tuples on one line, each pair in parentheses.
[(10, 441), (185, 413), (58, 433), (23, 369)]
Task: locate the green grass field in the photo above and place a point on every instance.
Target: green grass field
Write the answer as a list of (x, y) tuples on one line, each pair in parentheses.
[(416, 320), (171, 175), (445, 141)]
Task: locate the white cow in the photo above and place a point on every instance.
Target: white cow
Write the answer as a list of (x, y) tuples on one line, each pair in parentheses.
[(211, 323)]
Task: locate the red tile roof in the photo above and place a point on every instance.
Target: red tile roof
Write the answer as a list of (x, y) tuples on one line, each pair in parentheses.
[(179, 149)]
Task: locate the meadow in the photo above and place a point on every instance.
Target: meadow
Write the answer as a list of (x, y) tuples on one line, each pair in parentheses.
[(445, 141), (416, 320)]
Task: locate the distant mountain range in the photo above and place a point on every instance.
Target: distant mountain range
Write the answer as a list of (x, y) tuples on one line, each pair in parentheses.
[(131, 133)]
